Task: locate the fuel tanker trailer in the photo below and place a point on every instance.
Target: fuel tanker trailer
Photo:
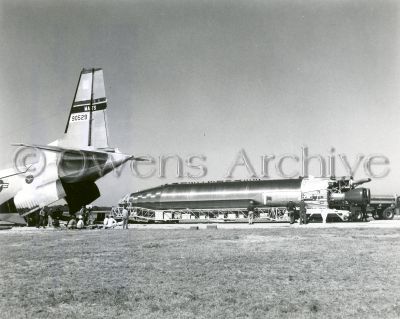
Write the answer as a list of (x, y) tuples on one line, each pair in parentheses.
[(229, 199), (384, 206)]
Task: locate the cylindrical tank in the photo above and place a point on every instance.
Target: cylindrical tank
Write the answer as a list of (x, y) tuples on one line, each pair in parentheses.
[(383, 199), (221, 194), (358, 196)]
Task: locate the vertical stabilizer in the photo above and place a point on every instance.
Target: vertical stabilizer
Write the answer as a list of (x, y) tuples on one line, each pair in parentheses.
[(87, 123)]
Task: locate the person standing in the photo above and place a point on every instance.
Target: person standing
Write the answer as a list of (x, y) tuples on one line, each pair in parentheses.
[(250, 212), (365, 213), (105, 222), (83, 213), (303, 212), (291, 208), (42, 214), (125, 218), (88, 220), (50, 218)]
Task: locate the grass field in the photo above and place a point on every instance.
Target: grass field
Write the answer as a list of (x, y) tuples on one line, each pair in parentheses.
[(254, 273)]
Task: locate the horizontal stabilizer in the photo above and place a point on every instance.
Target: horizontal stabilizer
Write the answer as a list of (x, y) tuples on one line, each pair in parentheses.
[(139, 159), (59, 149)]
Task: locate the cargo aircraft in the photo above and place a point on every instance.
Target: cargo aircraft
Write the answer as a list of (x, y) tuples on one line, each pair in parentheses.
[(68, 167)]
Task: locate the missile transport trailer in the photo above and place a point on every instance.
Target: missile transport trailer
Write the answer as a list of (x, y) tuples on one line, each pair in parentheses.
[(228, 200), (384, 206)]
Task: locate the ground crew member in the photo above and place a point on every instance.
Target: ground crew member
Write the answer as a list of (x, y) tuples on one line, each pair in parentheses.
[(80, 224), (303, 212), (291, 208), (88, 216), (111, 223), (250, 212), (125, 218), (365, 213), (42, 214), (56, 223), (56, 215), (105, 222), (50, 219), (83, 212), (72, 223)]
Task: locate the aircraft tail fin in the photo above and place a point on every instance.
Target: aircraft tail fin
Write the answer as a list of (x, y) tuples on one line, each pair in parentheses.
[(87, 122)]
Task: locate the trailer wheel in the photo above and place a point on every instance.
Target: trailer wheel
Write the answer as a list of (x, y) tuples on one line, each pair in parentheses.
[(388, 213), (358, 216), (376, 216)]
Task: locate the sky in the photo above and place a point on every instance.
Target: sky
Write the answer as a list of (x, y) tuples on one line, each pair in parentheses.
[(209, 78)]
